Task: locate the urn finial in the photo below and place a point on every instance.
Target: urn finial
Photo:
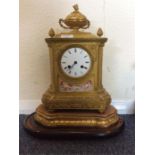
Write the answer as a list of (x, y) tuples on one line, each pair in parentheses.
[(75, 20)]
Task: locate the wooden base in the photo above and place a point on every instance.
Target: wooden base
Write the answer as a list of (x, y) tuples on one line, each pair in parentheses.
[(38, 130)]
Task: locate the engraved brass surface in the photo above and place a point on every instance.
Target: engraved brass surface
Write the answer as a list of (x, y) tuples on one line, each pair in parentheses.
[(75, 119), (76, 100)]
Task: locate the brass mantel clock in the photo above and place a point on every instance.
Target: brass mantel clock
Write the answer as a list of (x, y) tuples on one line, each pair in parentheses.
[(75, 102)]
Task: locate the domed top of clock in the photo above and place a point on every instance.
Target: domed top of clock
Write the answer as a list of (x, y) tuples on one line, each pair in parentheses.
[(75, 20)]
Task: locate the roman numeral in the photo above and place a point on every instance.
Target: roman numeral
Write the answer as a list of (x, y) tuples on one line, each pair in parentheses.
[(85, 56), (63, 62), (87, 62), (69, 52), (75, 50)]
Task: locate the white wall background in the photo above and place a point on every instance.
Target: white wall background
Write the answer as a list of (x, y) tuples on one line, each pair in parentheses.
[(115, 17)]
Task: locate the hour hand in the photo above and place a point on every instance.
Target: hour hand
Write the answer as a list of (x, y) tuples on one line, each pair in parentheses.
[(83, 67), (67, 67)]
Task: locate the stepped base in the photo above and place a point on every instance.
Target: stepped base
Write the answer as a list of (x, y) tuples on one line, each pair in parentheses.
[(69, 124)]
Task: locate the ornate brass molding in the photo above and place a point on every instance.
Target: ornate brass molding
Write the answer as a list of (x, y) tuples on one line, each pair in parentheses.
[(76, 119)]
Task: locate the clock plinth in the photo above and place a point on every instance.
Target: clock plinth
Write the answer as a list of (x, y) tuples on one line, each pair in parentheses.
[(90, 100), (71, 124), (76, 102), (76, 118)]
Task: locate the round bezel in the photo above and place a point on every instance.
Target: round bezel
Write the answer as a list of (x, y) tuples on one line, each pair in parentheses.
[(84, 51)]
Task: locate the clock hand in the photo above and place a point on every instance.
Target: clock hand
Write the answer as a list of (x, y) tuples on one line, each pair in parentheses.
[(70, 67), (83, 67), (67, 67)]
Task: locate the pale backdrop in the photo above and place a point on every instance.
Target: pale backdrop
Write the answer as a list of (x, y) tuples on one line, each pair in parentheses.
[(116, 17)]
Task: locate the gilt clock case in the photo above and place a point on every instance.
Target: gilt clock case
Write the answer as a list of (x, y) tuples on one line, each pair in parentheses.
[(85, 92)]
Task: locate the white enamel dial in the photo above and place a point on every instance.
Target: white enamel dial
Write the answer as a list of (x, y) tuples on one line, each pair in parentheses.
[(75, 62)]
